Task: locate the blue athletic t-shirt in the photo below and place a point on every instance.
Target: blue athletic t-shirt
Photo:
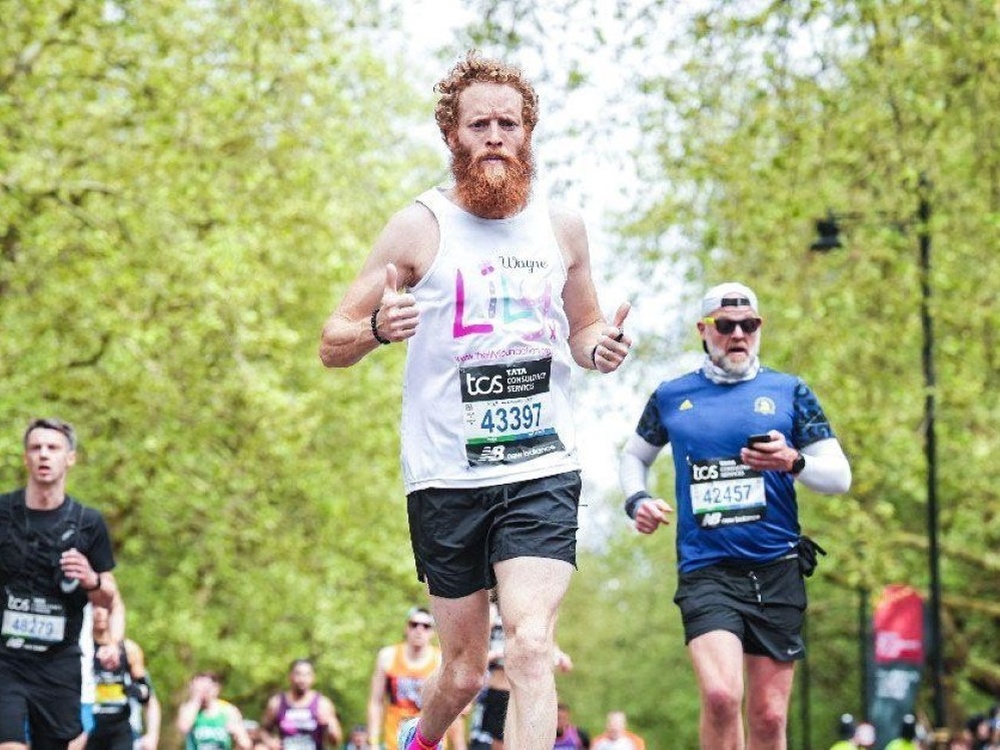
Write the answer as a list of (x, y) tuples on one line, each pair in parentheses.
[(727, 512)]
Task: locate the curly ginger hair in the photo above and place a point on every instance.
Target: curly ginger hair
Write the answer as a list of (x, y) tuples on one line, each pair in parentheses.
[(477, 69)]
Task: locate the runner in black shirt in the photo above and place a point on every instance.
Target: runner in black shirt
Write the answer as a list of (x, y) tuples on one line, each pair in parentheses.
[(55, 555)]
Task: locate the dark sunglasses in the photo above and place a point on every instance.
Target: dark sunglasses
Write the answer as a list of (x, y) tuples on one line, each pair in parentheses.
[(726, 326), (424, 625)]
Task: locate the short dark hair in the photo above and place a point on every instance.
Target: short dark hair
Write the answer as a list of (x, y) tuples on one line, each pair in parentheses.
[(52, 423)]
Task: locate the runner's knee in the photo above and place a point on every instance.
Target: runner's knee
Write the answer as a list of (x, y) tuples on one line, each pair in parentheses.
[(528, 652), (768, 724), (464, 676), (721, 704)]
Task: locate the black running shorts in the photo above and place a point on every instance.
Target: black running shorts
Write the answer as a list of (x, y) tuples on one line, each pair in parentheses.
[(458, 535), (762, 605), (42, 694), (111, 733)]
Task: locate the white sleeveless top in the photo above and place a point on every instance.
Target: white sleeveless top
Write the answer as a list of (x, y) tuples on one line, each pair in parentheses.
[(486, 396)]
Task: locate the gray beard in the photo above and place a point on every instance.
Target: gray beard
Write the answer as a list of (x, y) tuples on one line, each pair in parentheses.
[(718, 375)]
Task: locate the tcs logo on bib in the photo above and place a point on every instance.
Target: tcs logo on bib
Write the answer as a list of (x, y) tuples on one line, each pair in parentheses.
[(703, 472), (483, 385)]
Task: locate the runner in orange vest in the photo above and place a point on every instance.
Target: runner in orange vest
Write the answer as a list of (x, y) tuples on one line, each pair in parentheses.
[(398, 680)]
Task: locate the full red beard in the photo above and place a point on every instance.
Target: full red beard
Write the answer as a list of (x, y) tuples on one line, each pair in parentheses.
[(494, 190)]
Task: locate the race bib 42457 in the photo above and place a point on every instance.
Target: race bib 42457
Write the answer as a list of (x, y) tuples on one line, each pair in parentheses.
[(725, 491)]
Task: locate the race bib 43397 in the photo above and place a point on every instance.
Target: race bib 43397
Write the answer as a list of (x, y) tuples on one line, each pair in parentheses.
[(507, 412)]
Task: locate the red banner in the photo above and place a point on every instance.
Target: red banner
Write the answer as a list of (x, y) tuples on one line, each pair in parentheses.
[(898, 625)]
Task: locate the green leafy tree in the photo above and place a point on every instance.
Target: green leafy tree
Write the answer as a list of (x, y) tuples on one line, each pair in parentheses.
[(185, 189)]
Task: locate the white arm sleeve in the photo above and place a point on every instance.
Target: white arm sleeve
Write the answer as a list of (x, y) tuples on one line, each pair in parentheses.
[(633, 468), (827, 469)]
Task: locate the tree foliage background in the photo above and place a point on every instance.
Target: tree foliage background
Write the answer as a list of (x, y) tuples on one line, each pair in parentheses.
[(186, 188)]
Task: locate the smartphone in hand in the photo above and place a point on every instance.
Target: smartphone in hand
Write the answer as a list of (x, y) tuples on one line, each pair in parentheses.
[(763, 438)]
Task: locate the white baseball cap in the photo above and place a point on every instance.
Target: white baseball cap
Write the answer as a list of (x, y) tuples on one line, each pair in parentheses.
[(729, 293)]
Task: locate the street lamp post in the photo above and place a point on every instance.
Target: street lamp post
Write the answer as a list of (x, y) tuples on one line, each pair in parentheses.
[(829, 229), (863, 636), (930, 449)]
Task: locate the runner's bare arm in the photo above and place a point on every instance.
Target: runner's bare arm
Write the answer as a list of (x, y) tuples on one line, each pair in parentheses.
[(400, 255), (328, 716), (376, 696), (154, 717), (269, 723), (594, 342), (237, 730)]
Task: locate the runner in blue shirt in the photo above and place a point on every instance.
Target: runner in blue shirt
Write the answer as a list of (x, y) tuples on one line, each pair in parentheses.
[(741, 435)]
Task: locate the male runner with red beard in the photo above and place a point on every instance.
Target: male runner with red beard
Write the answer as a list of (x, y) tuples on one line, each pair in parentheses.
[(495, 184), (492, 289)]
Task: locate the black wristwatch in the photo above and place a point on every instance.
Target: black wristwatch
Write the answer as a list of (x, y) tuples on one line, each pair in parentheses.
[(96, 585), (798, 464)]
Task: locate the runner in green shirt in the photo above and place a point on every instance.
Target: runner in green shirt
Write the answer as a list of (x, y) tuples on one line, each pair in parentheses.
[(208, 722)]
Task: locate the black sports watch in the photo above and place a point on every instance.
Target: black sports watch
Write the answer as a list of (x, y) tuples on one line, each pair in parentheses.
[(799, 463)]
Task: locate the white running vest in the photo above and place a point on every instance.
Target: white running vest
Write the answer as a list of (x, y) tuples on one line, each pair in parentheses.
[(486, 392)]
